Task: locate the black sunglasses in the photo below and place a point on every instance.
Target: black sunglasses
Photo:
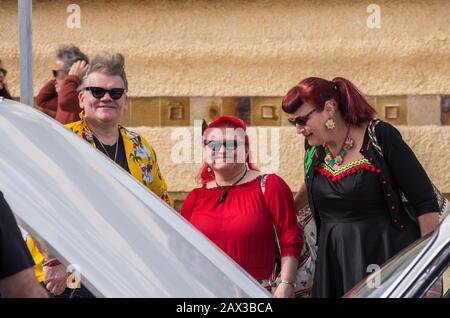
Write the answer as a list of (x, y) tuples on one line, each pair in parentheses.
[(301, 120), (2, 70), (55, 72), (230, 145), (99, 92)]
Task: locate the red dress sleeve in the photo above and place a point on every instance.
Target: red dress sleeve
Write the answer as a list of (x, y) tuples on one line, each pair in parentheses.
[(280, 202), (188, 205)]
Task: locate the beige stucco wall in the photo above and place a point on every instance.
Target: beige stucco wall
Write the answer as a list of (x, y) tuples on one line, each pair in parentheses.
[(253, 48), (428, 143), (231, 48)]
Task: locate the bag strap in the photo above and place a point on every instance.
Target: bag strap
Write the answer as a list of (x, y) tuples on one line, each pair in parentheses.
[(373, 137), (263, 190)]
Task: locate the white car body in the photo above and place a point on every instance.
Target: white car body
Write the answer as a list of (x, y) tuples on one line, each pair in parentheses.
[(88, 211)]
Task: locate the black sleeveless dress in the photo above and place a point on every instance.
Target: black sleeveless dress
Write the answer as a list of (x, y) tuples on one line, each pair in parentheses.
[(355, 230)]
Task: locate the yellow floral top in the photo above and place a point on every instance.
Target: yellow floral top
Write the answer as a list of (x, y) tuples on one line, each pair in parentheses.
[(38, 258), (141, 159)]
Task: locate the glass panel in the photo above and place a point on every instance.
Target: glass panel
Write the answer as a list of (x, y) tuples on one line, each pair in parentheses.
[(388, 273)]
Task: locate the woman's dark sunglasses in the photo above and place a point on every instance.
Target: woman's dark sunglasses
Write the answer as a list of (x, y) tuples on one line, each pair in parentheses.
[(99, 92), (230, 145), (301, 120)]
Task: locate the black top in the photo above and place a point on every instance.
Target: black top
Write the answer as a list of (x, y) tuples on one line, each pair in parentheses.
[(355, 232), (14, 254), (4, 93), (399, 169), (121, 159), (355, 197)]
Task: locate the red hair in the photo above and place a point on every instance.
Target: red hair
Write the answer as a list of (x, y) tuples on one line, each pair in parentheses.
[(207, 174), (316, 91)]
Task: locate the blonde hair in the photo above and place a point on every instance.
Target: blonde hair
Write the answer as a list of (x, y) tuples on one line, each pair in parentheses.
[(109, 64)]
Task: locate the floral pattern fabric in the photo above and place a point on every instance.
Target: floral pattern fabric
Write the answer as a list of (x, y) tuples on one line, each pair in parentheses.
[(141, 157)]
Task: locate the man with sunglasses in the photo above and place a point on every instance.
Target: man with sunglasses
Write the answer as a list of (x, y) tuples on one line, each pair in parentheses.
[(59, 96), (103, 100)]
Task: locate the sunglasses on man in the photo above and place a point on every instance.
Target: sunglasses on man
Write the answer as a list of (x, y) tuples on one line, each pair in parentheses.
[(301, 120), (99, 92), (230, 145)]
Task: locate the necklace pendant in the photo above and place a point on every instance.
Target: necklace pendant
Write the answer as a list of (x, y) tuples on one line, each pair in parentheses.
[(328, 159), (338, 160), (223, 195), (349, 143), (332, 160), (225, 191)]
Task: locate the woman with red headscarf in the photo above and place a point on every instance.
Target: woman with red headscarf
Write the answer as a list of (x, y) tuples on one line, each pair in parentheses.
[(356, 169), (237, 207)]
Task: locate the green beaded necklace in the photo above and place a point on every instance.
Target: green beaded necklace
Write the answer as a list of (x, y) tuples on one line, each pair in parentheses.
[(331, 159)]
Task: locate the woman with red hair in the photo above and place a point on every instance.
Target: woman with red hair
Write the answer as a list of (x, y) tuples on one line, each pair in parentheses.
[(356, 170), (238, 208)]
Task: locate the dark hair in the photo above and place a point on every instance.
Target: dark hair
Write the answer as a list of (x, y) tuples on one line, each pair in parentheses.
[(4, 91), (316, 91), (69, 54)]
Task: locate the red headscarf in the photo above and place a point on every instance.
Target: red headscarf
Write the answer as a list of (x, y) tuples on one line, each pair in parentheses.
[(206, 174)]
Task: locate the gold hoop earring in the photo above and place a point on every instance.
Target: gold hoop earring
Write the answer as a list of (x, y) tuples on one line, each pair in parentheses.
[(330, 124)]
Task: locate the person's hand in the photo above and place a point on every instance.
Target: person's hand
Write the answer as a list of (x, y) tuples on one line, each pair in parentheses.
[(57, 86), (55, 278), (284, 291), (79, 68)]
